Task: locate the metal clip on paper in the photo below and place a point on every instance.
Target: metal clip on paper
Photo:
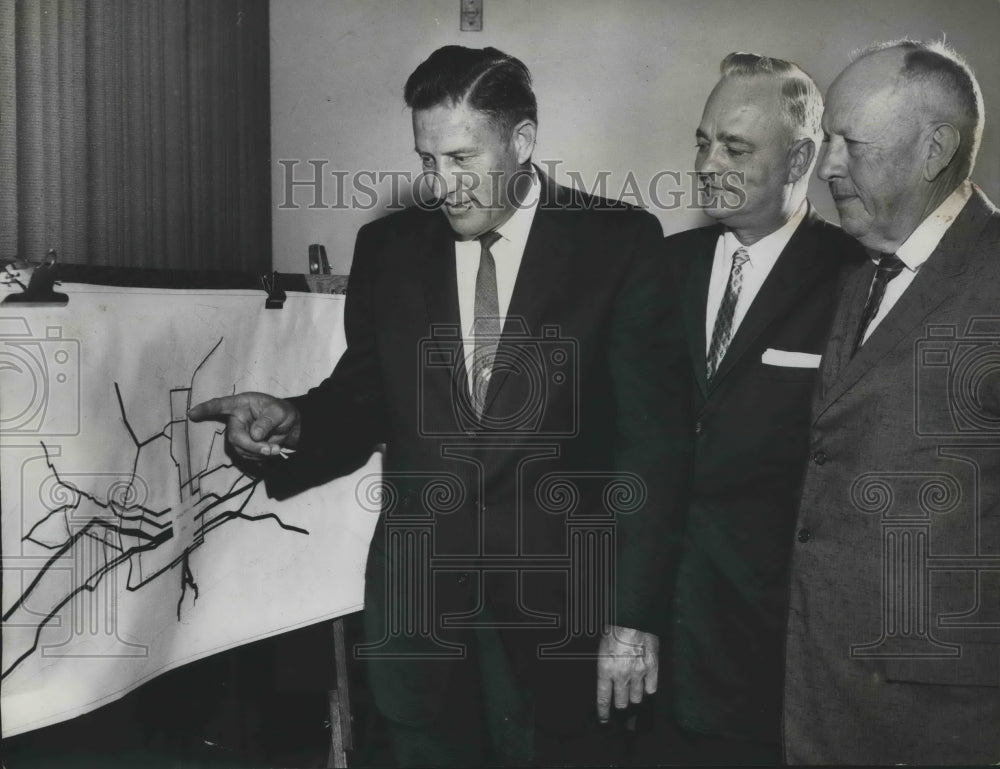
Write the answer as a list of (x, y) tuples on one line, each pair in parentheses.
[(275, 294), (40, 289)]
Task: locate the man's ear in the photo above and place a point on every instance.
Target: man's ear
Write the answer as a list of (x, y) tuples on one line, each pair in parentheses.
[(524, 140), (942, 145), (801, 156)]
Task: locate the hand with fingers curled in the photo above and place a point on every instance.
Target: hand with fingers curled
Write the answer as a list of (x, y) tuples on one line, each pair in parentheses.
[(258, 426), (627, 667)]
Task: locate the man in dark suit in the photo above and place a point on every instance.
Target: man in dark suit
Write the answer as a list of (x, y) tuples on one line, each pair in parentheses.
[(515, 353), (759, 289), (893, 642)]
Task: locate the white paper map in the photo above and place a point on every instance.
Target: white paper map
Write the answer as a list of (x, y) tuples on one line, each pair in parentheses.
[(131, 545)]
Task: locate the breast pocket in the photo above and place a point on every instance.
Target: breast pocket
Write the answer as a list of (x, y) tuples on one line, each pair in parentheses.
[(787, 373)]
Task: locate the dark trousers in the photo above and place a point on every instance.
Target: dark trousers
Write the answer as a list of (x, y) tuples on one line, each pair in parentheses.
[(487, 719), (661, 741)]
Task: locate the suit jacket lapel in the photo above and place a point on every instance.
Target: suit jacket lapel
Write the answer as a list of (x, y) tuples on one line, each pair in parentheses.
[(845, 323), (543, 274), (934, 283), (792, 275), (437, 259), (695, 301)]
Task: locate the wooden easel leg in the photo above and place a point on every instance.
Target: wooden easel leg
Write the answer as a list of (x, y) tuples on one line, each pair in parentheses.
[(341, 734)]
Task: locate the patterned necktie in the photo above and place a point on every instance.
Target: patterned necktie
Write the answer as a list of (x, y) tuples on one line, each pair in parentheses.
[(889, 266), (486, 326), (722, 333)]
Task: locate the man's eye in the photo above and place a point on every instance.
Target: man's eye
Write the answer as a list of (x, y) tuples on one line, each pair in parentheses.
[(426, 162), (735, 153)]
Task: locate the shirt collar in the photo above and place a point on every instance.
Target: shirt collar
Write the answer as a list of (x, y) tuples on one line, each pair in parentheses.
[(768, 248), (516, 228), (917, 248)]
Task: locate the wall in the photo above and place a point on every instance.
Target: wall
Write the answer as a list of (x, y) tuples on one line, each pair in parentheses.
[(620, 87)]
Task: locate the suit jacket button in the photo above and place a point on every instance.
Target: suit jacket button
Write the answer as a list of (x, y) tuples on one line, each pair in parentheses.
[(697, 427), (819, 457), (804, 535), (463, 578)]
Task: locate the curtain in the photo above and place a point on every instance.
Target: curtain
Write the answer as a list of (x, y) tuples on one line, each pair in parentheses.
[(136, 133)]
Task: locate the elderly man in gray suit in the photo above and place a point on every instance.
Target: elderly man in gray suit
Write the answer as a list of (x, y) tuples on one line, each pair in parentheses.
[(893, 640)]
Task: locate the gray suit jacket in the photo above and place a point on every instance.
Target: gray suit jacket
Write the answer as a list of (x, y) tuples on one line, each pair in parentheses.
[(893, 641)]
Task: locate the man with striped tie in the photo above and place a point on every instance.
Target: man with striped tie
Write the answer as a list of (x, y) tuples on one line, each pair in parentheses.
[(514, 350), (758, 293)]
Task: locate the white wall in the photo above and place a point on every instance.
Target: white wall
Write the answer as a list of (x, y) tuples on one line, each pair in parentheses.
[(620, 85)]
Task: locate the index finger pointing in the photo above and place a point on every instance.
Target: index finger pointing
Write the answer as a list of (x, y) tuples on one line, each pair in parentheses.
[(216, 408)]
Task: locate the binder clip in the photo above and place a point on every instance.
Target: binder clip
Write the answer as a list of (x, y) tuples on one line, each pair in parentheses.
[(275, 294), (41, 283)]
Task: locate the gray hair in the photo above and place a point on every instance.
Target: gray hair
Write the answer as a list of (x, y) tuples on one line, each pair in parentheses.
[(800, 97), (937, 65)]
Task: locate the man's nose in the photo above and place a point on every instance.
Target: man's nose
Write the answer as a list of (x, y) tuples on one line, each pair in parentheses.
[(457, 181), (710, 161), (832, 159), (435, 183), (445, 180)]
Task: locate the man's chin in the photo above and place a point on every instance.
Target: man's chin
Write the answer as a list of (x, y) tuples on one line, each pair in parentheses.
[(464, 223), (859, 231), (850, 222)]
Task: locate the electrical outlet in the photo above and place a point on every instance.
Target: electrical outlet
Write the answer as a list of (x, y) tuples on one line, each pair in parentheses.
[(471, 15)]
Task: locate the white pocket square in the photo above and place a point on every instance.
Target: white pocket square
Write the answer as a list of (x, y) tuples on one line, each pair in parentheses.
[(772, 357)]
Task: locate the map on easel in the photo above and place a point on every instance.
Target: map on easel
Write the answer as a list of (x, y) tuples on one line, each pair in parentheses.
[(131, 542)]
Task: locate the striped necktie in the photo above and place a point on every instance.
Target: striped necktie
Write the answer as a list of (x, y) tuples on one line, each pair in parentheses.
[(722, 333)]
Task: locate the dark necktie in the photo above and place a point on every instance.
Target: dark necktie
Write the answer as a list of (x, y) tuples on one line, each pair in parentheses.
[(889, 266), (486, 326), (722, 332)]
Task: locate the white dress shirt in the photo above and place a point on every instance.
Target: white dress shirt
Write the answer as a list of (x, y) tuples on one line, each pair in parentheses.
[(507, 254), (763, 256), (918, 247)]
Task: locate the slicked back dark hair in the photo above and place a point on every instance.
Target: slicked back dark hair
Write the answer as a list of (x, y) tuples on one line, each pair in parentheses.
[(486, 79)]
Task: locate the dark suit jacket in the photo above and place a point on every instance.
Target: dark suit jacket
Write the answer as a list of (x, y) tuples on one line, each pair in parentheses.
[(751, 442), (586, 417), (893, 645)]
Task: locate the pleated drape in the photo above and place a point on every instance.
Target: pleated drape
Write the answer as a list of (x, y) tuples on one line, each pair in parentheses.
[(136, 132)]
